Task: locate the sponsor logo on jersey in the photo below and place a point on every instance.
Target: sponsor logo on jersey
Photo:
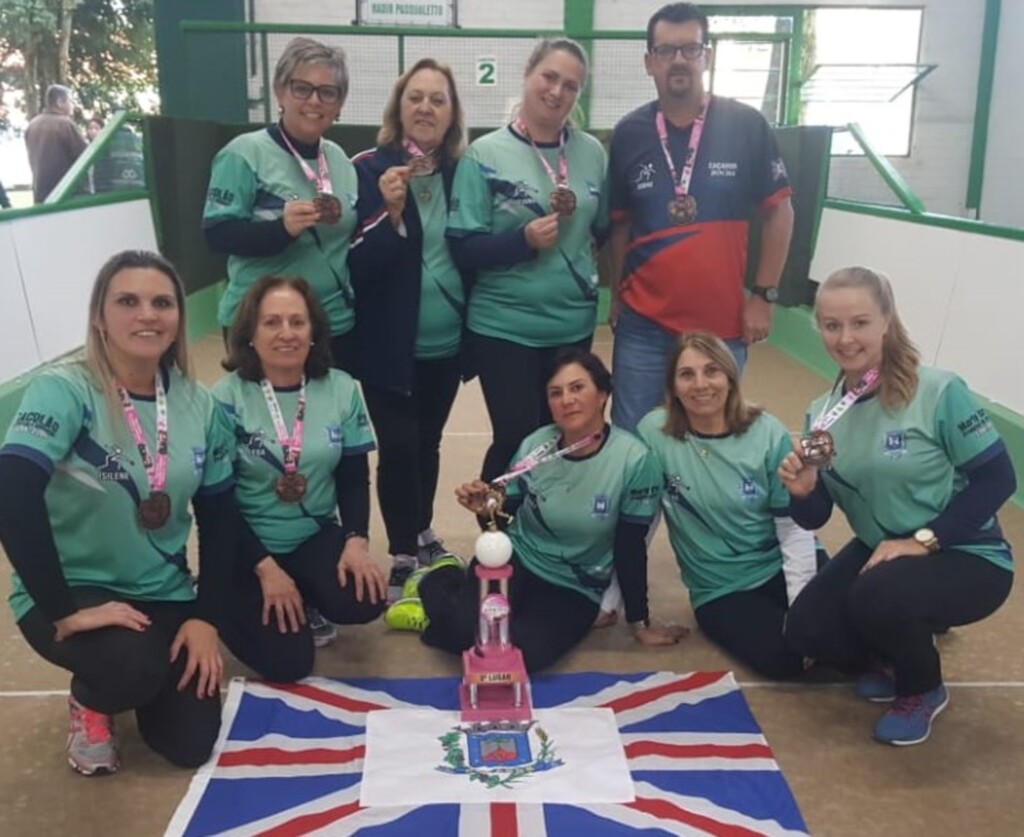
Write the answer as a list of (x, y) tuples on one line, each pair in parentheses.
[(644, 177), (220, 197), (112, 470), (778, 169), (749, 489), (601, 506), (976, 425), (198, 459), (895, 445), (36, 424), (721, 169), (334, 435)]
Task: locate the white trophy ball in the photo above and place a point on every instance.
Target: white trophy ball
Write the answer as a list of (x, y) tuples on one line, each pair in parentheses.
[(493, 549)]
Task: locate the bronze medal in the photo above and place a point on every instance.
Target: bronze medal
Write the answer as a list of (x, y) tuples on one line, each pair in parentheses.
[(422, 166), (563, 201), (682, 209), (817, 448), (329, 208), (291, 488), (155, 510)]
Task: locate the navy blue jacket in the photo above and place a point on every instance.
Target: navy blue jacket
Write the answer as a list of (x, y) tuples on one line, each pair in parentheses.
[(386, 272)]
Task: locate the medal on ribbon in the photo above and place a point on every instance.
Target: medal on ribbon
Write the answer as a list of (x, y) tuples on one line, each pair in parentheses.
[(326, 204), (291, 486), (682, 209), (817, 447), (563, 199), (546, 452), (155, 510)]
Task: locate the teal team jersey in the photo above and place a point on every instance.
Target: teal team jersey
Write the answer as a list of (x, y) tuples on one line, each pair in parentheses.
[(336, 425), (442, 298), (895, 472), (97, 481), (722, 495), (251, 179), (565, 528), (500, 185)]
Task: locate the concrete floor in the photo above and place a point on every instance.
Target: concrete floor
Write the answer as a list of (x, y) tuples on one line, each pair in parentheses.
[(968, 779)]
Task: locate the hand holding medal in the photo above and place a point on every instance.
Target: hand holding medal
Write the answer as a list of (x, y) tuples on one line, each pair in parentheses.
[(327, 206), (817, 447)]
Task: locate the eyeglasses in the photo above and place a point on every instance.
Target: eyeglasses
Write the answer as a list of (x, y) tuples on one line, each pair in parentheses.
[(666, 52), (329, 94)]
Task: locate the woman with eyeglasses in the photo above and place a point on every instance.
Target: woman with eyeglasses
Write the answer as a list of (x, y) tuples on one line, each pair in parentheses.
[(527, 204), (282, 199)]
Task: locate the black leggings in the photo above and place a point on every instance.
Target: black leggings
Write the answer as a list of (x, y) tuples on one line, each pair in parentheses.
[(891, 612), (287, 657), (547, 620), (512, 377), (116, 669), (748, 625), (408, 429)]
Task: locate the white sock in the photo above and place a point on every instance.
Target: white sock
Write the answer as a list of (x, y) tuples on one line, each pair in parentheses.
[(404, 560), (426, 536)]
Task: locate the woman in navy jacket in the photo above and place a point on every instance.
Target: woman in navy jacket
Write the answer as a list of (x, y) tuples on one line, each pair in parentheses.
[(410, 302)]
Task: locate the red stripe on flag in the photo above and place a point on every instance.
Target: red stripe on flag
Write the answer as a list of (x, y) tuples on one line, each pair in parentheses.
[(694, 681), (664, 810), (265, 756), (637, 749), (311, 822), (324, 696), (504, 822)]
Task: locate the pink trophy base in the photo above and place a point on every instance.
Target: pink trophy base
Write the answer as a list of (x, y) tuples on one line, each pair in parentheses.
[(494, 682)]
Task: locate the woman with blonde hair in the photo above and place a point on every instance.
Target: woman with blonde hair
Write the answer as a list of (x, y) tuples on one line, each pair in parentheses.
[(410, 303), (918, 468), (742, 558), (528, 203), (97, 474)]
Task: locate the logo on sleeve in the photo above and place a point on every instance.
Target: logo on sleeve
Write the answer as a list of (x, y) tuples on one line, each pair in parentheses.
[(220, 197), (778, 169), (978, 424), (36, 424), (198, 459), (895, 445)]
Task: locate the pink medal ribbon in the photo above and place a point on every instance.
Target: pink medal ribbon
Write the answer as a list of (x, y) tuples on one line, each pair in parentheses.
[(563, 199), (291, 444), (155, 509), (321, 182), (817, 447), (829, 417), (546, 452), (682, 208), (420, 163)]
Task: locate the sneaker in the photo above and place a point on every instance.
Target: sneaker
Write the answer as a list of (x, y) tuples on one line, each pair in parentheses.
[(909, 719), (324, 632), (878, 685), (402, 566), (434, 551), (91, 749), (411, 588), (406, 615)]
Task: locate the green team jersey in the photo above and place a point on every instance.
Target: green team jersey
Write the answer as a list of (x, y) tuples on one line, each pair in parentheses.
[(335, 425), (442, 298), (722, 495), (896, 471), (500, 185), (565, 528), (251, 179), (98, 480)]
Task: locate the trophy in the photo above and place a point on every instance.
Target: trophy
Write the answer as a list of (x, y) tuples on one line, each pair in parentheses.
[(494, 682)]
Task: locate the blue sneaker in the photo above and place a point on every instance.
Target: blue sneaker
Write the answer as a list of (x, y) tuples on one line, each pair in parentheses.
[(909, 719), (878, 685)]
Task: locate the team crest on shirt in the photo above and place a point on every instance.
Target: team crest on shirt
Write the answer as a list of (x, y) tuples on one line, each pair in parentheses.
[(256, 444), (601, 506), (778, 169), (749, 489), (198, 459), (333, 435), (644, 177), (895, 445), (112, 470)]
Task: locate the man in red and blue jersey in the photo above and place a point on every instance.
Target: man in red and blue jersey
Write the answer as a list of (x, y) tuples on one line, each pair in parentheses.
[(687, 172)]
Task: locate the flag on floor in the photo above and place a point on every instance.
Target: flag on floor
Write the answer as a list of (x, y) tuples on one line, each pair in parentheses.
[(291, 757)]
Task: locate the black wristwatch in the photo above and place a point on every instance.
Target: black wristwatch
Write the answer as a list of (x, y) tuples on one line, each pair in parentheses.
[(769, 294)]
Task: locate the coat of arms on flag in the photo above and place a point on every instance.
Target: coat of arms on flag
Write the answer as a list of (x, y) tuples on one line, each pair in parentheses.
[(607, 754)]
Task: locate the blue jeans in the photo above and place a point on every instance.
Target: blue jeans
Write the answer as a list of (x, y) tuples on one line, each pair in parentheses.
[(639, 353)]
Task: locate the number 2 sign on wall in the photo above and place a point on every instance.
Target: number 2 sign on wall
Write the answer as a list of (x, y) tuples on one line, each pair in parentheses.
[(486, 72)]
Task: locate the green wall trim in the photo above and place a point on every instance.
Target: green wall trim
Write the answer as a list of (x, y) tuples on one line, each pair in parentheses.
[(201, 310), (983, 103), (929, 219), (78, 202), (578, 20), (887, 171), (794, 332)]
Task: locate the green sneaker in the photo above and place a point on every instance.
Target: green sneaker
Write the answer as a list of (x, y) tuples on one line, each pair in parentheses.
[(411, 588), (406, 615)]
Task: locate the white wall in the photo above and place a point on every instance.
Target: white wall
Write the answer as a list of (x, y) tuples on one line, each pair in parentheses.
[(1002, 196), (47, 266), (958, 293)]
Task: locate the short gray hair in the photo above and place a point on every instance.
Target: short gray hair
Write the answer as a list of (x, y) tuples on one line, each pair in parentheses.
[(57, 93), (302, 51)]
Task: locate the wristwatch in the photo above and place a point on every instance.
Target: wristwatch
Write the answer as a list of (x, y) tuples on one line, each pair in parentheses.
[(927, 539), (768, 294)]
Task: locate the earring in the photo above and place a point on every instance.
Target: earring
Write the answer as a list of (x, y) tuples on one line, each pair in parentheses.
[(312, 343), (251, 345)]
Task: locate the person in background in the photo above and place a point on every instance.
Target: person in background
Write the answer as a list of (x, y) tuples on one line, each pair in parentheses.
[(410, 304), (99, 468), (920, 471), (53, 140)]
